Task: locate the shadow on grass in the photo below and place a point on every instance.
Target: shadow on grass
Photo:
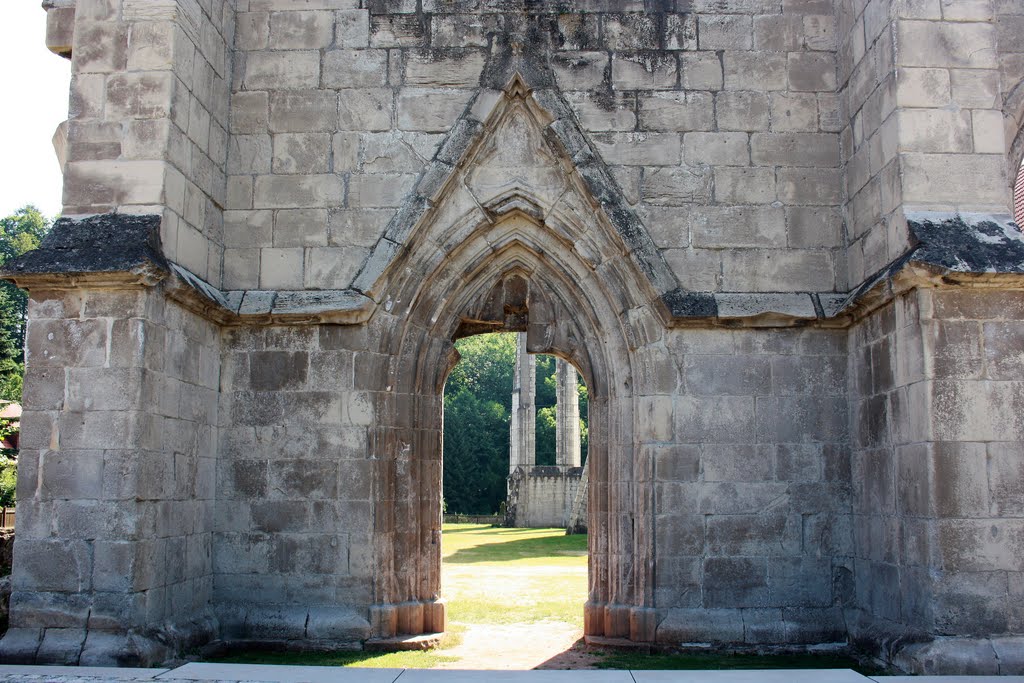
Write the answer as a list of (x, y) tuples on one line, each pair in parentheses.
[(692, 661), (519, 549)]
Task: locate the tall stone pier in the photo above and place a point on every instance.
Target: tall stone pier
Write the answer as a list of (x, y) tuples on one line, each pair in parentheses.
[(774, 237), (543, 496)]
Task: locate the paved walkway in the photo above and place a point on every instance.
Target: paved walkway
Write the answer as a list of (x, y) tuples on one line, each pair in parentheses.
[(229, 673)]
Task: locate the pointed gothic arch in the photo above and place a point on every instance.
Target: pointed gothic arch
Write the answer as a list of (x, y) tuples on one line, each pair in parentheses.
[(514, 239)]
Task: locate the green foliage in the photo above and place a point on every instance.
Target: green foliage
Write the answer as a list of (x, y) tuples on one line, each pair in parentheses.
[(477, 404), (8, 477), (20, 232), (477, 408)]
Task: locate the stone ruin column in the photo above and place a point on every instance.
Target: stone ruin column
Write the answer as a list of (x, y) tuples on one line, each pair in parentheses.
[(567, 415), (523, 447)]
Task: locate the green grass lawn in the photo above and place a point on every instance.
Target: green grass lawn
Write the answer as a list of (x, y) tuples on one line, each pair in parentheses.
[(513, 576)]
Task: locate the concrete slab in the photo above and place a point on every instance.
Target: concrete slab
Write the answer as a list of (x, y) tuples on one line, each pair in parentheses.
[(752, 676), (203, 671), (103, 672), (543, 676)]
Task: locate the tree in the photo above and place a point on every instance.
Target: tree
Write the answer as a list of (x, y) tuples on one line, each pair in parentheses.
[(477, 408), (20, 232), (477, 404)]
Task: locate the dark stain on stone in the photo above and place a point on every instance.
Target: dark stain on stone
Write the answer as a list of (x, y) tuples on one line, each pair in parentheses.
[(980, 247), (106, 243), (683, 304)]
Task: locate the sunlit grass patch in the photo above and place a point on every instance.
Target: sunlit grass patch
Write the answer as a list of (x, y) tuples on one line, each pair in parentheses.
[(508, 576)]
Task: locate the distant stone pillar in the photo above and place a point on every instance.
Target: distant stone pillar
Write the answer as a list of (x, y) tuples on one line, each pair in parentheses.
[(523, 448), (567, 415)]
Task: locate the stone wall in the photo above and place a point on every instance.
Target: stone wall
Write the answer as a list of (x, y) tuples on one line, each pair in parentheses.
[(719, 122), (542, 496), (149, 119), (754, 537), (752, 225), (116, 478), (294, 515)]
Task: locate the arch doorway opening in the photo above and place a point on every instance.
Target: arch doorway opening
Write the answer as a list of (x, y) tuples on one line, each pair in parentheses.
[(514, 452)]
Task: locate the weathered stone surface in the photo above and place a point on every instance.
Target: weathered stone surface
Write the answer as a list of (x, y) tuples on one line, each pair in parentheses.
[(770, 233)]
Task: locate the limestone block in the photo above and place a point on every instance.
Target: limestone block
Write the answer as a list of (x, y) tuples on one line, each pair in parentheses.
[(821, 186), (333, 267), (744, 111), (598, 113), (794, 149), (301, 30), (249, 154), (281, 268), (366, 109), (355, 68), (378, 190), (430, 110), (701, 626), (810, 227), (580, 70), (644, 71), (676, 111), (947, 44), (700, 71), (249, 112), (973, 88), (248, 228), (396, 31), (722, 227), (779, 32), (771, 534), (252, 30), (736, 582), (727, 376), (755, 71), (714, 419), (918, 87), (304, 111), (77, 343), (150, 46), (663, 186), (725, 32), (357, 227), (716, 149), (100, 46), (974, 179), (300, 228), (52, 565), (636, 149), (291, 70), (988, 134), (794, 112), (812, 71), (453, 68), (734, 185), (307, 153), (297, 191), (935, 130), (60, 30)]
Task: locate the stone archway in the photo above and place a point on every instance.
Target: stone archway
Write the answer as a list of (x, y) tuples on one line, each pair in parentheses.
[(514, 241)]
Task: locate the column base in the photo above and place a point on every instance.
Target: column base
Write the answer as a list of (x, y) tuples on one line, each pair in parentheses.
[(625, 622), (411, 618)]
